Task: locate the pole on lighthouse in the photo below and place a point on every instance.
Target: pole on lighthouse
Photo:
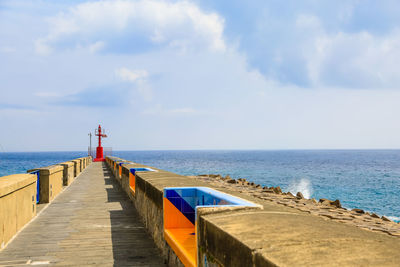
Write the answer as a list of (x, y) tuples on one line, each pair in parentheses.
[(90, 145)]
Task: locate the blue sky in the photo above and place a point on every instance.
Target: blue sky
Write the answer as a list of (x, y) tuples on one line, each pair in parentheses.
[(200, 74)]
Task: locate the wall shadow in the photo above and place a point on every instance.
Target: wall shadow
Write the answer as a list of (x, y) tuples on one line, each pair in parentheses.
[(132, 245)]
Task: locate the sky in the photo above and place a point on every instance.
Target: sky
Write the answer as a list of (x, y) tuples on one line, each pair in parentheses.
[(260, 74)]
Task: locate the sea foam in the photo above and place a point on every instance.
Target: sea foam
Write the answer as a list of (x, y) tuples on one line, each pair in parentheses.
[(394, 218), (303, 185)]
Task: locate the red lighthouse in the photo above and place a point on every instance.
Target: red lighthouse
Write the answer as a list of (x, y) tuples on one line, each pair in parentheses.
[(99, 149)]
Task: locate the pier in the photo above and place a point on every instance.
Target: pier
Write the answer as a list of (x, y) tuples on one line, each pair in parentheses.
[(122, 213), (92, 222)]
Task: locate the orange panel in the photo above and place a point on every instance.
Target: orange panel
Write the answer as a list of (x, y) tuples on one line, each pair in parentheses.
[(173, 218), (120, 171), (132, 182), (183, 242)]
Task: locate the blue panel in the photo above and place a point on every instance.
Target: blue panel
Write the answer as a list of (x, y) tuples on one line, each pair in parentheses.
[(133, 170), (191, 216), (186, 199), (189, 192), (177, 202), (191, 201), (37, 185), (142, 169), (184, 205), (172, 193)]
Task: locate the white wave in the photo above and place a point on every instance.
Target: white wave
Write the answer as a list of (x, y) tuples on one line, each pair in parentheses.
[(394, 218), (303, 186)]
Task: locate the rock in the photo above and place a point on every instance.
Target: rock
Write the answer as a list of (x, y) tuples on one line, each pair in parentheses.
[(214, 175), (328, 202), (265, 187), (373, 215), (258, 186), (226, 178), (314, 201), (324, 201), (336, 203), (277, 190), (385, 219), (289, 194), (299, 195), (268, 190), (252, 184), (358, 211), (232, 181)]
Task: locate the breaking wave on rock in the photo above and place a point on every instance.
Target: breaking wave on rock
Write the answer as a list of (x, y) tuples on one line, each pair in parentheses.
[(303, 185)]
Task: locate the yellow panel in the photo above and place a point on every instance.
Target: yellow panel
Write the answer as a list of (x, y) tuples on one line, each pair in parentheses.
[(183, 242)]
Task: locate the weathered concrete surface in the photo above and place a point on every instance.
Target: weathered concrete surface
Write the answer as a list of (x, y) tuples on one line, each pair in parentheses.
[(17, 204), (293, 239), (68, 172), (77, 167), (324, 209), (150, 210), (51, 182), (125, 177), (278, 235), (91, 222)]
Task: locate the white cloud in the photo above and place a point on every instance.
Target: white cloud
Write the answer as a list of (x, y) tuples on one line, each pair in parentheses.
[(131, 75), (159, 110), (7, 49), (41, 47), (122, 24), (49, 94), (356, 60), (139, 78), (96, 47), (183, 110), (348, 59)]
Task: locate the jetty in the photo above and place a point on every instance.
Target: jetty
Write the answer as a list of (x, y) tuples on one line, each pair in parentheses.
[(90, 223), (122, 213)]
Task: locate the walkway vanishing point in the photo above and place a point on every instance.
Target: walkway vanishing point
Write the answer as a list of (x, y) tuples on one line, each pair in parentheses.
[(92, 222), (97, 220)]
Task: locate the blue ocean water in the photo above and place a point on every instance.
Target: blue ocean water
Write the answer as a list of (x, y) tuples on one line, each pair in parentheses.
[(366, 179), (20, 162)]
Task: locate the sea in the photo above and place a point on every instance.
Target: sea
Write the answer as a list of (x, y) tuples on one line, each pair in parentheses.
[(365, 179)]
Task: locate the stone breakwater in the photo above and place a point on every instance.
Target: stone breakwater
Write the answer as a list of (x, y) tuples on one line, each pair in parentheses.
[(325, 208)]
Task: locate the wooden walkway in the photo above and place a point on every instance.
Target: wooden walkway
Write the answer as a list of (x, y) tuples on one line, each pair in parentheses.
[(91, 223)]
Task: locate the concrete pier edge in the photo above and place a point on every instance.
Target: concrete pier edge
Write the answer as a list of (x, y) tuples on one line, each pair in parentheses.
[(18, 195), (275, 236)]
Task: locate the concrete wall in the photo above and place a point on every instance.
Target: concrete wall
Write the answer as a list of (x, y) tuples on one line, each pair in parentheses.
[(18, 194), (77, 167), (68, 172), (17, 204), (51, 182), (273, 236), (148, 200), (125, 177), (81, 165)]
